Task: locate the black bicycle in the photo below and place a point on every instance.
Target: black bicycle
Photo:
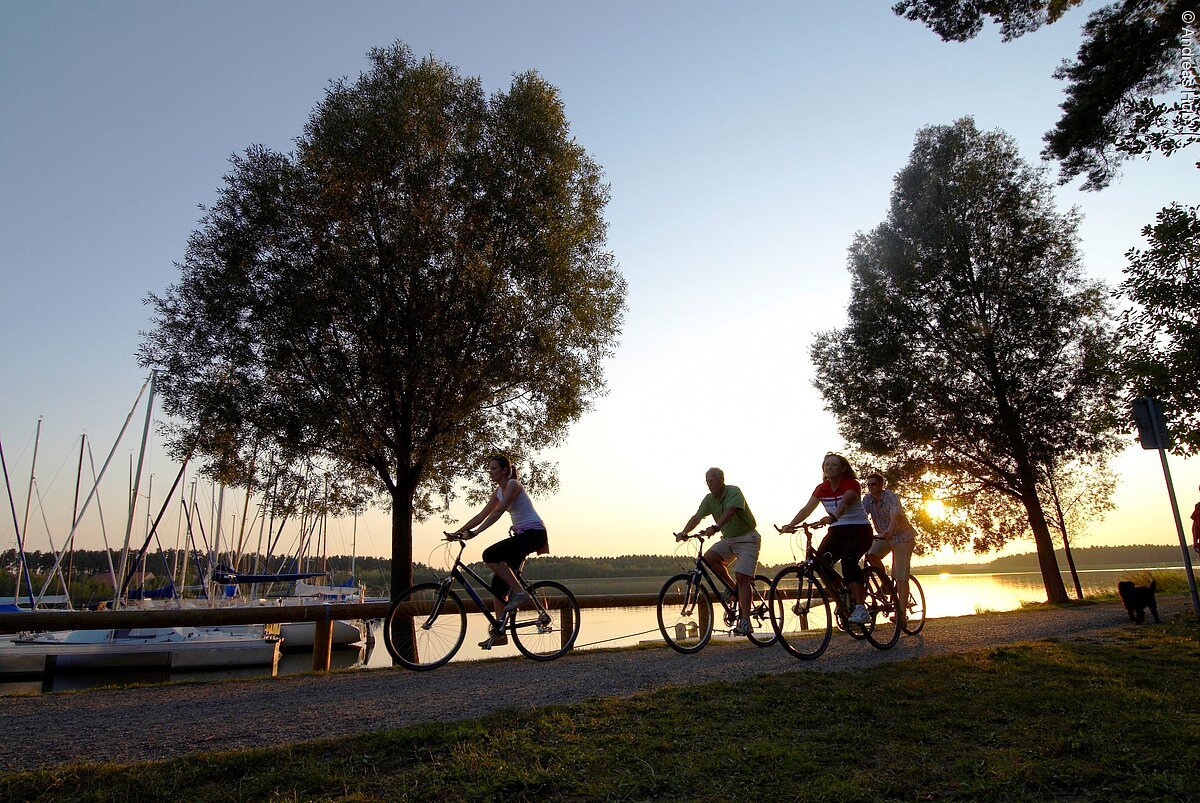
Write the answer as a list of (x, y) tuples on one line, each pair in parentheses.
[(425, 626), (807, 599), (914, 612), (685, 607)]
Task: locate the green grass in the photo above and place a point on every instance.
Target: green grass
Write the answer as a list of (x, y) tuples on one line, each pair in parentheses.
[(1087, 719)]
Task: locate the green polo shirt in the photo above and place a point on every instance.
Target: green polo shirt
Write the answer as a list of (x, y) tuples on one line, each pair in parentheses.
[(742, 521)]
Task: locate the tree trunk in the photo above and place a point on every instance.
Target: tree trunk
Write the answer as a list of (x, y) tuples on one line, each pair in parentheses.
[(1056, 592), (402, 530), (402, 627)]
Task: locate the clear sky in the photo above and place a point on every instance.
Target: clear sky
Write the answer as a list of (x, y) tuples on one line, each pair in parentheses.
[(745, 144)]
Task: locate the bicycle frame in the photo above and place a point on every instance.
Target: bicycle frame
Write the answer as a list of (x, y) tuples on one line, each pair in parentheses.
[(456, 574), (705, 569), (826, 571)]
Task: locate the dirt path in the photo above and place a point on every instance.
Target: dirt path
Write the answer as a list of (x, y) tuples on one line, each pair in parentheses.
[(168, 721)]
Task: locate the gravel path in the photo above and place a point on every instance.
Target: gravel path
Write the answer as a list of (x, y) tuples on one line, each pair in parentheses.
[(168, 721)]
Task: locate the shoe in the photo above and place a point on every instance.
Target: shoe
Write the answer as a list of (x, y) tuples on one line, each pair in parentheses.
[(515, 600), (860, 616), (495, 639), (743, 628)]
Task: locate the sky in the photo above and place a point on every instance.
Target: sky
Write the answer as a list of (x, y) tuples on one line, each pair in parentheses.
[(744, 145)]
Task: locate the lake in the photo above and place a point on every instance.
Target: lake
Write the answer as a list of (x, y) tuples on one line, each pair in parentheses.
[(945, 595)]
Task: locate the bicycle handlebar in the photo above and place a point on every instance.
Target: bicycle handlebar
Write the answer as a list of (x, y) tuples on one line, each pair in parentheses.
[(806, 526)]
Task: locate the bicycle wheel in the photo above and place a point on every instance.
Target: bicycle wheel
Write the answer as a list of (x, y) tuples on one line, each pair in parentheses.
[(685, 614), (801, 612), (548, 628), (914, 619), (884, 630), (430, 635), (762, 632)]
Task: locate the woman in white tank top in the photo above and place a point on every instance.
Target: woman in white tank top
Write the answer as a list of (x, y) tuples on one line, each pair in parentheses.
[(529, 536)]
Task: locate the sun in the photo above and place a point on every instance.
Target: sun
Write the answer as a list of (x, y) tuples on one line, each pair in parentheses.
[(935, 509)]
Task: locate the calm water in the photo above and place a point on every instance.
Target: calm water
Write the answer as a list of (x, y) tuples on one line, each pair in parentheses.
[(945, 595)]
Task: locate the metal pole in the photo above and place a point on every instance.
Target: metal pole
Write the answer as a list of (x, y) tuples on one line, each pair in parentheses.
[(1160, 427)]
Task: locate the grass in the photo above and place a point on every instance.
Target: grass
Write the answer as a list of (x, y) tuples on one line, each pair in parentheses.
[(1087, 719)]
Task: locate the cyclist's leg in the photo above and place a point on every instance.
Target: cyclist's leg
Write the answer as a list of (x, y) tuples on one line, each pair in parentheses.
[(857, 540), (719, 556), (901, 557), (878, 551), (745, 548)]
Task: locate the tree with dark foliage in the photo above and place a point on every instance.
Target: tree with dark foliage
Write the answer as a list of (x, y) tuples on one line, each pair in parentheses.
[(976, 356), (424, 281)]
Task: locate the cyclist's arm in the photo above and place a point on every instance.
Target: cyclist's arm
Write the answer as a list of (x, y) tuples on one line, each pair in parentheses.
[(687, 528), (900, 523), (809, 507), (848, 499), (478, 517), (511, 489)]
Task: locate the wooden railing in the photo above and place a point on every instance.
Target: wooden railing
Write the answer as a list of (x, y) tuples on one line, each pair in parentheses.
[(323, 616)]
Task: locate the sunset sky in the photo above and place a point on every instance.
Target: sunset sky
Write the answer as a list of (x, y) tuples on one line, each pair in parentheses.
[(744, 144)]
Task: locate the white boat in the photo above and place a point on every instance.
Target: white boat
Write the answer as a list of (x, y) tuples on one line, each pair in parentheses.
[(170, 647)]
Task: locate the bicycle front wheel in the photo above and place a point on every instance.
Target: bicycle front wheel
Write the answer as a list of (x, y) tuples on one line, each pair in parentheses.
[(801, 612), (914, 618), (547, 624), (685, 614), (762, 632), (884, 630), (425, 626)]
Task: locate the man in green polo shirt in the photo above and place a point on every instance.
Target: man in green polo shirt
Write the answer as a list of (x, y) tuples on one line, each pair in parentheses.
[(739, 542)]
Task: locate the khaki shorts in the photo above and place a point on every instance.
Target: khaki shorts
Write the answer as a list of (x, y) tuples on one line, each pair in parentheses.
[(744, 549)]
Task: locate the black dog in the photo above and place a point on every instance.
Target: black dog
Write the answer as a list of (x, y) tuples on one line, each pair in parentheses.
[(1137, 599)]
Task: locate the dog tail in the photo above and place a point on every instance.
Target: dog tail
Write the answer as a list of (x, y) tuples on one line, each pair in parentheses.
[(1153, 586)]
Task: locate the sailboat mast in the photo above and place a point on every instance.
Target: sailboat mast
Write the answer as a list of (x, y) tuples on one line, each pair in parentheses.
[(20, 538), (75, 513), (136, 484), (28, 498)]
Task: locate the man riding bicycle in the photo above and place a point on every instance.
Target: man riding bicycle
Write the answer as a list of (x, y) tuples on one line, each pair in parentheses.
[(739, 543)]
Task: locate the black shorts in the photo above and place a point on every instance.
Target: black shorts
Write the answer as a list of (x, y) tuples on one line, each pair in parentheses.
[(848, 543), (512, 552)]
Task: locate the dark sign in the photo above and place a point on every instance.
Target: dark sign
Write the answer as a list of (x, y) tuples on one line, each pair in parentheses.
[(1151, 425)]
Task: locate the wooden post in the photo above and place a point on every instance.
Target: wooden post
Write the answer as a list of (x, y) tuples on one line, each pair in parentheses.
[(567, 619), (322, 645)]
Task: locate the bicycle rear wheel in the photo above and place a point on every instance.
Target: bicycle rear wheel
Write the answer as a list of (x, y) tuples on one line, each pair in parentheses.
[(884, 630), (548, 628), (914, 619), (425, 626), (762, 632), (801, 613), (685, 614)]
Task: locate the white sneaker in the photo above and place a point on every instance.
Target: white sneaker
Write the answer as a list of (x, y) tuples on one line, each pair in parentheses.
[(860, 616), (515, 600)]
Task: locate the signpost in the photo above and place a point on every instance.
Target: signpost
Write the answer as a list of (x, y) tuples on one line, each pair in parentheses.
[(1152, 432)]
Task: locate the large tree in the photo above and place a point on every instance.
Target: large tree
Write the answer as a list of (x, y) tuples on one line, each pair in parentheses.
[(422, 281), (1162, 328), (976, 356), (1131, 55)]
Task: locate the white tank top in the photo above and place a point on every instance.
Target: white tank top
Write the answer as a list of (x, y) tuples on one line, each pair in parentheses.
[(524, 517)]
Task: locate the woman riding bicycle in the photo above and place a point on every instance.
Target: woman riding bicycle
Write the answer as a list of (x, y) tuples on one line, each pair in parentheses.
[(529, 536), (849, 535)]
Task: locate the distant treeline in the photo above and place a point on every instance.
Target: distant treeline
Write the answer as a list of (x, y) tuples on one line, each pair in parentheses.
[(1092, 557)]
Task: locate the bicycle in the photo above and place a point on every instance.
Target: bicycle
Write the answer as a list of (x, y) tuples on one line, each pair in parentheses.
[(685, 607), (800, 608), (429, 642), (914, 611)]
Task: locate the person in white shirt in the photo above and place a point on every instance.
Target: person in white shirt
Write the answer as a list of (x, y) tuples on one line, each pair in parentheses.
[(894, 534), (528, 536)]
